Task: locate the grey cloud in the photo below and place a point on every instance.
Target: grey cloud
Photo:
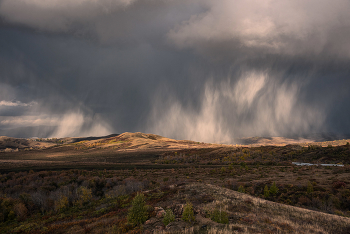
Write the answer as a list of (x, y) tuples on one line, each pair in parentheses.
[(117, 22), (60, 15), (201, 70), (284, 27)]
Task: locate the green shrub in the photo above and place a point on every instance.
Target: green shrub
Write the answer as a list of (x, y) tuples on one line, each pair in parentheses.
[(27, 227), (273, 189), (244, 165), (241, 189), (11, 215), (219, 216), (168, 217), (61, 204), (310, 188), (266, 192), (138, 212), (188, 214), (84, 195)]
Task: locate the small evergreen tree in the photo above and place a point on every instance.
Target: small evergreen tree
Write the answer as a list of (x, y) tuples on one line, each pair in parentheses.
[(188, 214), (274, 189), (310, 188), (266, 192), (138, 212), (241, 189), (219, 216), (168, 217)]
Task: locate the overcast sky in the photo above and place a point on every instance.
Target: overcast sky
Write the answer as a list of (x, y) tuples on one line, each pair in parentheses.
[(187, 69)]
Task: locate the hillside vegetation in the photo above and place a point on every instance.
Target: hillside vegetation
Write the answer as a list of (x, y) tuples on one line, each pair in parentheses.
[(100, 185)]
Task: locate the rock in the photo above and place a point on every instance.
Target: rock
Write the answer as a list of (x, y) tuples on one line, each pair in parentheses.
[(178, 209), (177, 226), (159, 228), (158, 208), (160, 214), (151, 221)]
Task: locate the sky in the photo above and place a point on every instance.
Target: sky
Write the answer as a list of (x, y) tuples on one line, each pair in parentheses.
[(202, 70)]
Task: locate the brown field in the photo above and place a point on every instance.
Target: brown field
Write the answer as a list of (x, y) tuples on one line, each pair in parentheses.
[(37, 174)]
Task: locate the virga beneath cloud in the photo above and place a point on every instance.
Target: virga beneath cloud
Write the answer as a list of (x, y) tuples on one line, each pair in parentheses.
[(201, 70)]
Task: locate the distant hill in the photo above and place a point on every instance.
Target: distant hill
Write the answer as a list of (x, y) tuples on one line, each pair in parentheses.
[(145, 141)]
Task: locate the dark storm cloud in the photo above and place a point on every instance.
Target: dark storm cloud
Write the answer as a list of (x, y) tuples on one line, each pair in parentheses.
[(205, 70)]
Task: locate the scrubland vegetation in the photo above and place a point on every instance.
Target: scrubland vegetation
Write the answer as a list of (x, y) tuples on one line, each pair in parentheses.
[(49, 201), (221, 189)]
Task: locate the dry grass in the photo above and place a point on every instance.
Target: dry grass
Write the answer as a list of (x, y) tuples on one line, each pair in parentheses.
[(267, 215)]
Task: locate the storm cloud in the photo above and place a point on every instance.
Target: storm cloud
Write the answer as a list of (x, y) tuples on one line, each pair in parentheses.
[(202, 70)]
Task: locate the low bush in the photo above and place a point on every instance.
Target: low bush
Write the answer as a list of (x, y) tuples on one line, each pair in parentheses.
[(310, 188), (168, 217), (219, 216), (273, 189), (61, 204), (266, 192), (138, 212), (188, 214), (84, 195), (241, 189)]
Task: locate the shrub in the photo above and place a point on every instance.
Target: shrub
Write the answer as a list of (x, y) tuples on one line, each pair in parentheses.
[(338, 185), (266, 192), (25, 198), (219, 216), (310, 188), (27, 228), (21, 211), (304, 200), (188, 214), (61, 204), (338, 212), (11, 215), (168, 217), (241, 189), (243, 165), (273, 189), (84, 195), (138, 211)]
